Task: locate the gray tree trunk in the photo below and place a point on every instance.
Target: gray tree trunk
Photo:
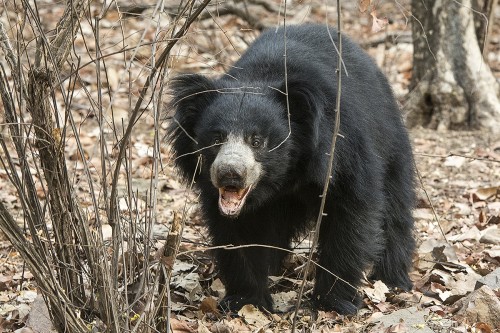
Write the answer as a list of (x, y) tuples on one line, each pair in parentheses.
[(484, 24), (452, 86)]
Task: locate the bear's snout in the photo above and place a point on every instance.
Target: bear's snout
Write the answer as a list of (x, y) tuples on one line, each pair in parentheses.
[(231, 175), (234, 172), (235, 165)]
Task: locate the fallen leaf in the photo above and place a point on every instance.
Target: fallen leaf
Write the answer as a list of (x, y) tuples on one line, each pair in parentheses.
[(378, 24), (487, 193), (377, 293), (209, 305), (396, 328), (178, 326), (253, 316), (5, 282), (218, 287), (363, 5), (483, 328), (490, 236)]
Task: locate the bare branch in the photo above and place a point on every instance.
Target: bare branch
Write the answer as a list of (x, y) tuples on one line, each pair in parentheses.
[(329, 174)]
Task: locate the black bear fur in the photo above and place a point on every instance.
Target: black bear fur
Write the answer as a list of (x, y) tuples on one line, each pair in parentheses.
[(368, 220)]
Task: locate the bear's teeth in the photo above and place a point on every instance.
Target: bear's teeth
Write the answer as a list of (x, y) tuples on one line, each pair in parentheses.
[(232, 199), (231, 192), (241, 193)]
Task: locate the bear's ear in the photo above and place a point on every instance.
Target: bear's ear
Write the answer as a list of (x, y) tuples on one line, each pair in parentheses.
[(191, 93), (307, 105)]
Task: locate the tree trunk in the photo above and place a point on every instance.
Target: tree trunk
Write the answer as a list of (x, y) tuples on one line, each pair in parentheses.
[(484, 22), (452, 87)]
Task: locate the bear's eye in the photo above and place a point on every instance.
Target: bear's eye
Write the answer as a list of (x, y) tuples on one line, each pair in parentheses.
[(216, 139), (256, 142)]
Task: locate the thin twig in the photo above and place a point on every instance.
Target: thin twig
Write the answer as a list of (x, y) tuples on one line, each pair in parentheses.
[(436, 218), (286, 83), (329, 175), (230, 247), (474, 158), (253, 21), (133, 117)]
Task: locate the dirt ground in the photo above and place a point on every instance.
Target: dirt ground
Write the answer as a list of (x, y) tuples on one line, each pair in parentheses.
[(457, 217)]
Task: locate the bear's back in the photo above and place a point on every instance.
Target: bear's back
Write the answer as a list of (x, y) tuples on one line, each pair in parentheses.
[(309, 49)]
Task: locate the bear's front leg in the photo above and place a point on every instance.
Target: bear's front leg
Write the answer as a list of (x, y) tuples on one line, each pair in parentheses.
[(245, 276), (264, 235), (244, 271)]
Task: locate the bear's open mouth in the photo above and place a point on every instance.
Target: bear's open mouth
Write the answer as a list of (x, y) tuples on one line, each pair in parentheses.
[(232, 199)]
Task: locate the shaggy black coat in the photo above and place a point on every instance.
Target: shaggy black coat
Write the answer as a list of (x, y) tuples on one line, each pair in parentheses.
[(368, 221)]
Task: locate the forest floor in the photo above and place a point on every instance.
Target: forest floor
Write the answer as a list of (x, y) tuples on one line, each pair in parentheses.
[(456, 269)]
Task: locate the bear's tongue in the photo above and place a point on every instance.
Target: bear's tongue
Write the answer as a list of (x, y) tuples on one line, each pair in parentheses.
[(231, 199)]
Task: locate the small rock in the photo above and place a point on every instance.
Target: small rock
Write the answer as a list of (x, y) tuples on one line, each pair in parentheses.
[(482, 305), (491, 236), (39, 318), (159, 230), (491, 280), (454, 161), (284, 301), (411, 317)]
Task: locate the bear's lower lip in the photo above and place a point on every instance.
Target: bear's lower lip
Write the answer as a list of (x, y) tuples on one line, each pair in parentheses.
[(232, 199)]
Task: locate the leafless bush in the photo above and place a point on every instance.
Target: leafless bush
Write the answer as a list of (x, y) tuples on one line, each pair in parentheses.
[(90, 281)]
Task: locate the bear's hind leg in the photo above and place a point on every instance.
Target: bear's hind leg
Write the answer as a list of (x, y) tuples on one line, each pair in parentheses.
[(393, 265), (350, 239)]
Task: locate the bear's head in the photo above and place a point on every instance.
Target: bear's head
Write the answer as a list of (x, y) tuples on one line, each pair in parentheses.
[(237, 141)]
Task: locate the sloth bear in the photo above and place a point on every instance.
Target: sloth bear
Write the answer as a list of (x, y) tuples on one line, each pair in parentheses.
[(256, 143)]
